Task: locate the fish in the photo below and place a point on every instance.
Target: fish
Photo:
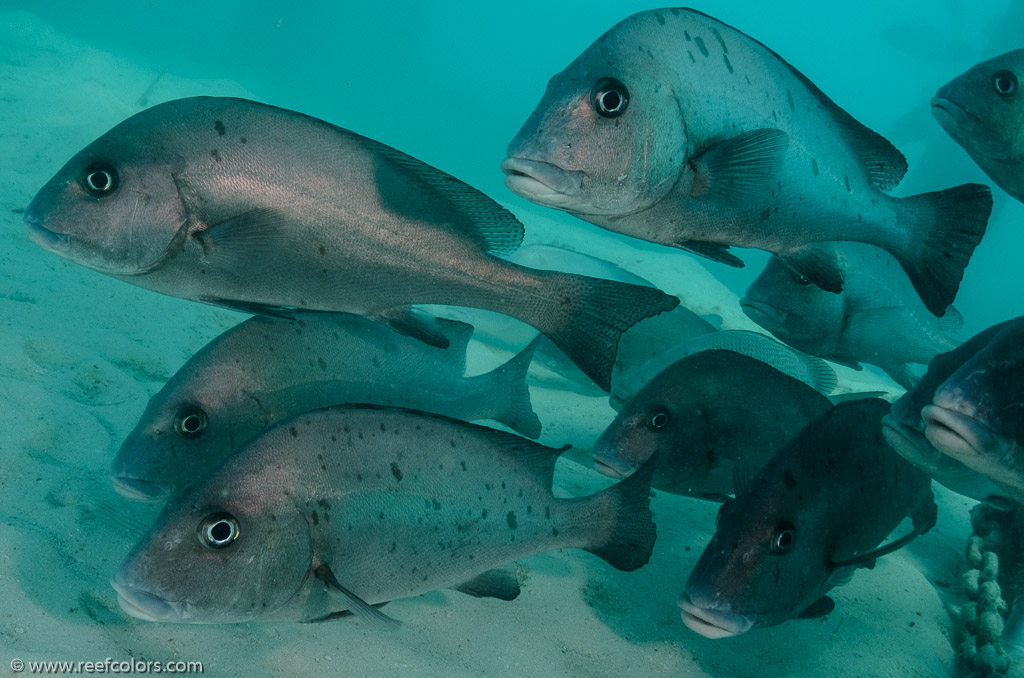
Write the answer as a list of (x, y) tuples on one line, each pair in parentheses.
[(809, 369), (267, 369), (343, 509), (677, 129), (970, 403), (878, 318), (265, 210), (817, 511), (983, 111), (710, 417)]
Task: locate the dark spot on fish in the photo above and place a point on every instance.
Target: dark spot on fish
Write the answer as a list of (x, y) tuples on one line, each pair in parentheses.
[(436, 504), (18, 210), (547, 512), (243, 140), (686, 34), (701, 46), (789, 98), (395, 471), (554, 531), (529, 509), (660, 18), (216, 154), (718, 36), (789, 480), (316, 518), (693, 59), (483, 513), (322, 250), (503, 485), (846, 178), (219, 126), (324, 504), (511, 518), (727, 64), (323, 366), (461, 463), (814, 166), (295, 434)]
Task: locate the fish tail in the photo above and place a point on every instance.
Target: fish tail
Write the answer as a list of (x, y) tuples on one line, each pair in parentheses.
[(627, 536), (510, 394), (588, 316), (951, 224)]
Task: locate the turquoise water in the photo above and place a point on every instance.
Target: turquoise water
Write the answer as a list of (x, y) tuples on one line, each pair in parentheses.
[(449, 83)]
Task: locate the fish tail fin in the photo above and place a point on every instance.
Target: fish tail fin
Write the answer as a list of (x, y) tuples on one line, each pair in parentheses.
[(587, 317), (511, 396), (951, 225), (629, 534)]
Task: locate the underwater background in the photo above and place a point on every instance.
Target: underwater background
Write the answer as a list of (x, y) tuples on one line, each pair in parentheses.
[(449, 83)]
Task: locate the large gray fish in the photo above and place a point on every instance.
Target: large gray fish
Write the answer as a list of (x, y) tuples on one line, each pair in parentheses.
[(678, 129), (268, 369), (970, 405), (235, 203), (710, 418), (983, 110), (816, 512), (340, 509), (878, 318)]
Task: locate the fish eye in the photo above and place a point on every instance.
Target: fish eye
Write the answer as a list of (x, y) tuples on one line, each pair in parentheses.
[(1005, 365), (100, 179), (659, 420), (190, 422), (783, 538), (1004, 83), (803, 280), (218, 530), (609, 97)]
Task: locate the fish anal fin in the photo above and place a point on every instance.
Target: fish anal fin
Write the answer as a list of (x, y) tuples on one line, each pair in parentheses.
[(500, 584), (740, 169), (351, 601), (819, 608), (711, 250)]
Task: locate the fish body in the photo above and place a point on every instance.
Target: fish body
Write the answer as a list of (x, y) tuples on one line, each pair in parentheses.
[(344, 508), (983, 110), (680, 130), (710, 418), (268, 369), (266, 210), (878, 318), (970, 405), (816, 511)]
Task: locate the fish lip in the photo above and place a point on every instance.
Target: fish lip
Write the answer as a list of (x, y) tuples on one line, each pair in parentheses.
[(58, 243), (763, 309), (141, 490), (145, 605), (959, 435), (902, 437), (712, 623), (541, 182), (609, 465), (945, 110)]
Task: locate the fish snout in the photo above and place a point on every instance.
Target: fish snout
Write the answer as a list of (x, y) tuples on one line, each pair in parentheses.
[(606, 463), (762, 313), (961, 436), (952, 116), (143, 604), (541, 182), (58, 243), (141, 490), (710, 616)]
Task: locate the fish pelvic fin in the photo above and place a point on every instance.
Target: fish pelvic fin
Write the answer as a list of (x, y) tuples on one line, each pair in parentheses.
[(949, 226), (740, 169), (818, 266), (711, 250), (500, 584), (511, 396), (358, 606), (415, 324), (819, 608), (628, 539), (586, 317)]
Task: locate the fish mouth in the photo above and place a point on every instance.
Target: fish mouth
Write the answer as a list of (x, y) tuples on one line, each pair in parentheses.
[(759, 310), (908, 442), (712, 623), (146, 606), (952, 115), (541, 182), (58, 243), (141, 490), (959, 435), (613, 467)]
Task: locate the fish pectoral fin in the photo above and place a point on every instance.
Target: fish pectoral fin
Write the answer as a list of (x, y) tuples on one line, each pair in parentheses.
[(239, 244), (415, 324), (741, 168), (352, 602), (742, 475), (841, 398), (711, 250), (253, 308), (867, 560), (818, 266), (500, 584), (819, 608)]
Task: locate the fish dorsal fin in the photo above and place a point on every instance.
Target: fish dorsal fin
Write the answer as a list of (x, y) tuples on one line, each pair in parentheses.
[(819, 608), (882, 162), (354, 603), (500, 584), (741, 168), (497, 229)]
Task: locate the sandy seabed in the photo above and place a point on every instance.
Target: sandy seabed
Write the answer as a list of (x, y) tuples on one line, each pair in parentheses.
[(82, 353)]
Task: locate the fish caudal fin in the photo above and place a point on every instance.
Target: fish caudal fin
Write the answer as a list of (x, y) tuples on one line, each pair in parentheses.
[(627, 542), (589, 316), (510, 394), (951, 225)]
